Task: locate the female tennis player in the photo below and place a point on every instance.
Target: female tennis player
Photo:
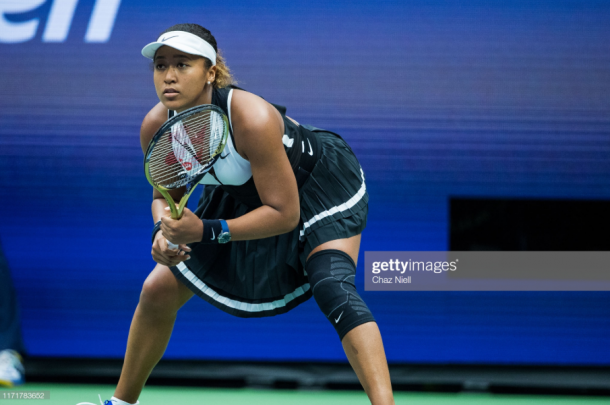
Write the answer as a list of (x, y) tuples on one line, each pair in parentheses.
[(279, 220)]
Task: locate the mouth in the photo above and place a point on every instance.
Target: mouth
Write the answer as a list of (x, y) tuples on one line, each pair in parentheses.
[(170, 92)]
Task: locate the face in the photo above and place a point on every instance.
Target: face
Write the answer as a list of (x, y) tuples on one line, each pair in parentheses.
[(181, 79)]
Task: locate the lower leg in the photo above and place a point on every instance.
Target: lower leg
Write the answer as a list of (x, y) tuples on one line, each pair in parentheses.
[(150, 331), (364, 350), (148, 338), (362, 344)]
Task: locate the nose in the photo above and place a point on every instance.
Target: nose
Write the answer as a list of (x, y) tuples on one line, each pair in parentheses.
[(170, 75)]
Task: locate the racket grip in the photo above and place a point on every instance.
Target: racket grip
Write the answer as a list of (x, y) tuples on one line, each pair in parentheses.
[(171, 245)]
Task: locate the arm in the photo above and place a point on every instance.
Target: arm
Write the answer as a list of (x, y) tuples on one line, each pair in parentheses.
[(258, 129), (161, 254), (152, 122)]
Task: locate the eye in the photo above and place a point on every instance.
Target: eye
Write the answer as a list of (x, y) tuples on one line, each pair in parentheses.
[(182, 64), (159, 66)]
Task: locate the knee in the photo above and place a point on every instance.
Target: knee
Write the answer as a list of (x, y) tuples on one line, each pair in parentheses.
[(332, 278), (159, 293)]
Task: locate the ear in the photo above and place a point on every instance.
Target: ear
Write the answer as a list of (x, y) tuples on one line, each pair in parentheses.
[(212, 74)]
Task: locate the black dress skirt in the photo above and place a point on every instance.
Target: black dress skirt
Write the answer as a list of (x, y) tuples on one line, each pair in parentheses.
[(266, 277)]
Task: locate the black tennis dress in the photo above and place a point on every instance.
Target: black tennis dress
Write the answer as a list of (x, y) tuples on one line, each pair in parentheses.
[(266, 277)]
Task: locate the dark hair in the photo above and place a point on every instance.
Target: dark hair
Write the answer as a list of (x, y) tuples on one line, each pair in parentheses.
[(223, 74)]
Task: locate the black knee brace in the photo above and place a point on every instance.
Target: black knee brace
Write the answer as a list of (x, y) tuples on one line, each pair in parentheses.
[(331, 276)]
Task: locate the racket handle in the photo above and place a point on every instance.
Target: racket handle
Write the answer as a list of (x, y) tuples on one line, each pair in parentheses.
[(171, 245)]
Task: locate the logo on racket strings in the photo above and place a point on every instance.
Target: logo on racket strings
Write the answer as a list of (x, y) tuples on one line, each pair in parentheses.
[(183, 148)]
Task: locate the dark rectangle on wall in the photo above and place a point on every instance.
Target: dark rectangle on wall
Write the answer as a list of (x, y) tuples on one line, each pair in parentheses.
[(528, 225)]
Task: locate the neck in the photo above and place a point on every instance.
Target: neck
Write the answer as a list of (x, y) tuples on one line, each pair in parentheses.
[(204, 98)]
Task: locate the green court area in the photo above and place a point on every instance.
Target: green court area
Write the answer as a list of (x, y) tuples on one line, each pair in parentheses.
[(66, 394)]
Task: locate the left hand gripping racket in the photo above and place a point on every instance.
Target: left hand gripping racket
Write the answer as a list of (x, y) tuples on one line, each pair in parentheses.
[(183, 150)]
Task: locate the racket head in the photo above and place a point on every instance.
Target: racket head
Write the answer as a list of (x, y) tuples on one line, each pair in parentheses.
[(186, 147)]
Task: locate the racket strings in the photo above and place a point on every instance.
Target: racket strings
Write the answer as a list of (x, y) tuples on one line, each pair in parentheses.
[(185, 150)]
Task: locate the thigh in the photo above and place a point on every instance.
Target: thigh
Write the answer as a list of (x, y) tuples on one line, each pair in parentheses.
[(350, 245), (342, 234)]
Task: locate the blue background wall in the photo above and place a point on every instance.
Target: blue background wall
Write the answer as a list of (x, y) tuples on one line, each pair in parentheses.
[(437, 98)]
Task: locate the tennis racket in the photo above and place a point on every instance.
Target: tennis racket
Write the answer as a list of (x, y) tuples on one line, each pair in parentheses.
[(183, 150)]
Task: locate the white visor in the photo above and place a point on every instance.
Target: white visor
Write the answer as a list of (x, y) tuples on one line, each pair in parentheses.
[(183, 41)]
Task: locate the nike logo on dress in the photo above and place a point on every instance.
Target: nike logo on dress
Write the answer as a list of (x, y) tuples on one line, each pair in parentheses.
[(213, 234), (310, 151), (337, 320), (165, 39), (287, 141)]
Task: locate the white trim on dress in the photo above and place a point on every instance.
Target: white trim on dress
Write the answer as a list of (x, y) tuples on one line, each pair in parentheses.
[(242, 306), (339, 208), (229, 108)]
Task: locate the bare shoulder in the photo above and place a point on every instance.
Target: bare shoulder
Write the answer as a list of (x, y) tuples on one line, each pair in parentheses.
[(151, 123), (254, 120)]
